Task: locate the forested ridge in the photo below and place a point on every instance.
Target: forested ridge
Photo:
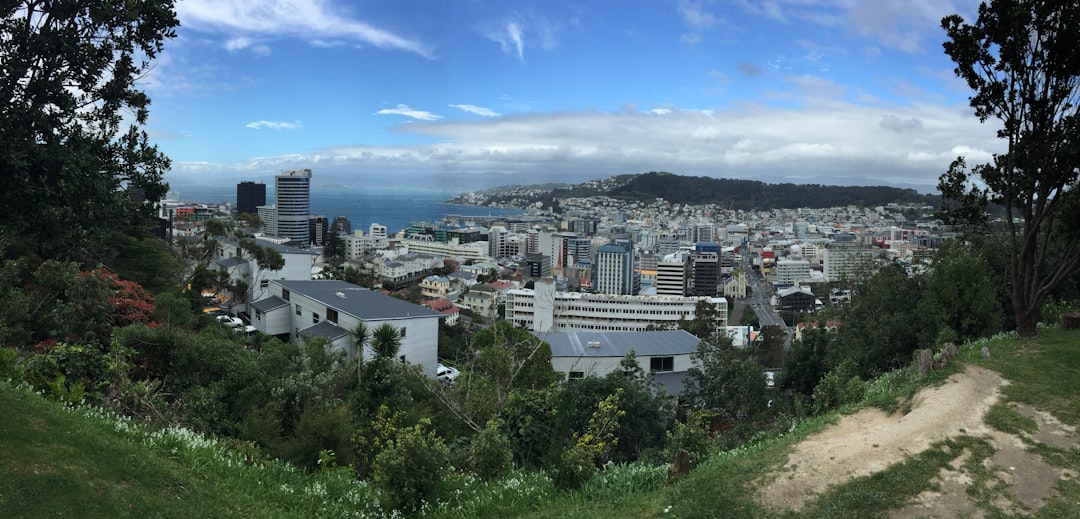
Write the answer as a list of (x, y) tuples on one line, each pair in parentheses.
[(736, 194)]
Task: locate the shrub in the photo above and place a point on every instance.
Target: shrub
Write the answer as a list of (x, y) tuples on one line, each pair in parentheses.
[(837, 388), (10, 365), (489, 453), (576, 466), (691, 436), (411, 466)]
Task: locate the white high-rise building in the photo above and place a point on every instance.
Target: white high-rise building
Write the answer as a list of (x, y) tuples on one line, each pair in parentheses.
[(268, 215), (292, 191), (671, 274)]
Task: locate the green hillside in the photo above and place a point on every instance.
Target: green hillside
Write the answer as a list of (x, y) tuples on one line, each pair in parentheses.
[(680, 189), (58, 461)]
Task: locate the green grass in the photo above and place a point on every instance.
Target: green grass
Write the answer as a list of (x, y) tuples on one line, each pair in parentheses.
[(61, 461)]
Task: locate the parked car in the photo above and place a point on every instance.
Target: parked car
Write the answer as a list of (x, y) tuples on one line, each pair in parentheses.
[(446, 374), (231, 322)]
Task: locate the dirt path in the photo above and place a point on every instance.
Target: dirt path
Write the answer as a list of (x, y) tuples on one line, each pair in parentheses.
[(870, 440)]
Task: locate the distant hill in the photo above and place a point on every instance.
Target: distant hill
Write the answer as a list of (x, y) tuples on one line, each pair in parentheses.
[(728, 193)]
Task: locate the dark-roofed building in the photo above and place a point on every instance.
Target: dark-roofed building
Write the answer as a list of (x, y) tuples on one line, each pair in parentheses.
[(797, 299), (665, 353), (331, 308)]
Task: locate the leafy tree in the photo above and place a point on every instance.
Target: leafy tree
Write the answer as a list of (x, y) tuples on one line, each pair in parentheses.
[(723, 381), (1019, 58), (881, 329), (335, 247), (504, 359), (646, 412), (958, 295), (808, 360), (67, 82), (703, 325)]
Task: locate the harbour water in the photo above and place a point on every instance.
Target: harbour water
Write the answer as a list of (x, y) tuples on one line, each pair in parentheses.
[(393, 207)]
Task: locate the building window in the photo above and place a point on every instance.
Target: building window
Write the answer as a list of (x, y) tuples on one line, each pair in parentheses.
[(401, 332), (285, 294), (258, 315), (264, 283), (575, 375), (315, 318), (299, 311), (331, 315), (662, 364)]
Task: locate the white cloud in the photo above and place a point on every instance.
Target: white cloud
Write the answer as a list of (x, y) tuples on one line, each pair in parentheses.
[(835, 143), (477, 110), (401, 109), (516, 32), (508, 34), (272, 125), (313, 20), (694, 15)]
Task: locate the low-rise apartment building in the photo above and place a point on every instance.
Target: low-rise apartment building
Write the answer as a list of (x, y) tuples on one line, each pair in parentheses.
[(543, 309)]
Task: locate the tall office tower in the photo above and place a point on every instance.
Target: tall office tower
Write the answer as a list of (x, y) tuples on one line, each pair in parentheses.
[(318, 229), (580, 249), (292, 191), (249, 196), (268, 215), (672, 274), (706, 273), (613, 271), (341, 225)]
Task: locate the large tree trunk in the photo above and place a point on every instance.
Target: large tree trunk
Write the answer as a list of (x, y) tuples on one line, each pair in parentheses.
[(1028, 313)]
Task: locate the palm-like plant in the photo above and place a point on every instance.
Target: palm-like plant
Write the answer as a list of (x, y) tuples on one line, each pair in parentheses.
[(386, 341), (361, 336)]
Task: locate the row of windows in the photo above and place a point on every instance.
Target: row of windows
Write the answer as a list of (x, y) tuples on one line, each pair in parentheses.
[(656, 364)]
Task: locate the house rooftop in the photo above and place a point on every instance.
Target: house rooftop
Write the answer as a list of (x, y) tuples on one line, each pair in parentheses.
[(230, 262), (325, 329), (357, 301), (618, 344), (269, 303)]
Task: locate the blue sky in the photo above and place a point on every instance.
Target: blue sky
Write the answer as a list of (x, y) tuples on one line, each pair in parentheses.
[(460, 94)]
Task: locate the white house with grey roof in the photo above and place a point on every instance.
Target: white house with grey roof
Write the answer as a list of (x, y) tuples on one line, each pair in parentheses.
[(331, 308), (666, 354), (241, 267)]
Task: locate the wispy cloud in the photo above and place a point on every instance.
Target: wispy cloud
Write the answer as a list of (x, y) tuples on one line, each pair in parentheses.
[(273, 125), (697, 18), (402, 109), (477, 110), (508, 34), (515, 32), (313, 20)]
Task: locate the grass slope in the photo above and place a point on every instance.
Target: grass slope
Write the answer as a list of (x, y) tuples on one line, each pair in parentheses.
[(57, 461)]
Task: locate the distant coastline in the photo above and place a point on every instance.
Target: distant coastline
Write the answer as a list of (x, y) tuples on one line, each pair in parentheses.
[(394, 207)]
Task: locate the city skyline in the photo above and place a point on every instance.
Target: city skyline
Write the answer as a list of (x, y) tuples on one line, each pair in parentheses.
[(472, 94)]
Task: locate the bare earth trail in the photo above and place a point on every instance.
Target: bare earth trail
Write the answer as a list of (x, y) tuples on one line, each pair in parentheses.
[(871, 440)]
